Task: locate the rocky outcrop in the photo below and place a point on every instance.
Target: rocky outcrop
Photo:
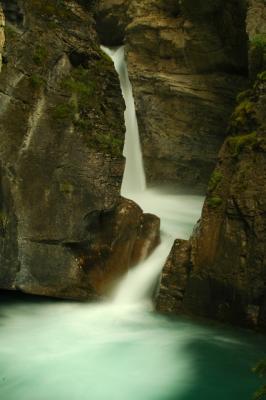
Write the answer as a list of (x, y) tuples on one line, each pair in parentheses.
[(256, 27), (2, 35), (63, 225), (174, 278), (186, 62), (221, 271)]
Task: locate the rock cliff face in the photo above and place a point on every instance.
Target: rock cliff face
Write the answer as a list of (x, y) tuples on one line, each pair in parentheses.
[(63, 225), (221, 271), (186, 62), (2, 35)]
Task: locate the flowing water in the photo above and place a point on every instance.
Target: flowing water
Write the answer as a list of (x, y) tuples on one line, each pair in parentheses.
[(121, 350), (134, 176)]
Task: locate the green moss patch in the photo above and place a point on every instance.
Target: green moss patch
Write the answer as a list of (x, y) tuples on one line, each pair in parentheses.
[(10, 32), (66, 187), (50, 8), (107, 143), (259, 41), (40, 55), (65, 111), (37, 81), (261, 78), (214, 201), (244, 117), (215, 179), (82, 84), (238, 143), (3, 222)]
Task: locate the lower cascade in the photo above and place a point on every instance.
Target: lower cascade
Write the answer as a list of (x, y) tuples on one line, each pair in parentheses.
[(121, 350)]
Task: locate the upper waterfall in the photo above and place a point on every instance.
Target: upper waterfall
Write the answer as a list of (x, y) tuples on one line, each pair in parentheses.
[(134, 175)]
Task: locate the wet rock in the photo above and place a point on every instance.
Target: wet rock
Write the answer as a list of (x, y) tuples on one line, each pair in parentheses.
[(87, 269), (227, 279), (2, 35), (64, 230), (174, 278), (185, 73), (148, 238)]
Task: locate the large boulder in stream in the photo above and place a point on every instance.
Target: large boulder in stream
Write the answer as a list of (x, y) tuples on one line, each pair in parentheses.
[(64, 229)]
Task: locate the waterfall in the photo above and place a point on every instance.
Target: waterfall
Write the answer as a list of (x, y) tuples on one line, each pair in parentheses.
[(116, 349), (134, 176), (177, 212)]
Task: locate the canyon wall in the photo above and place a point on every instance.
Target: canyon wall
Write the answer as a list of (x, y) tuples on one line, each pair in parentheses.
[(187, 60), (64, 229), (221, 271)]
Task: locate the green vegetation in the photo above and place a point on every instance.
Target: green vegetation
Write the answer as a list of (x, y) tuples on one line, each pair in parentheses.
[(82, 105), (65, 111), (243, 118), (83, 85), (3, 223), (259, 41), (66, 187), (243, 95), (108, 143), (238, 143), (257, 55), (106, 57), (37, 81), (50, 8), (260, 370), (40, 55), (214, 201), (261, 77), (215, 179), (80, 84), (10, 32)]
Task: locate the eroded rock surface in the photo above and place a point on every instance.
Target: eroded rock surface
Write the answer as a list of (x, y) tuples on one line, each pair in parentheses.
[(221, 271), (186, 62), (64, 230), (2, 35)]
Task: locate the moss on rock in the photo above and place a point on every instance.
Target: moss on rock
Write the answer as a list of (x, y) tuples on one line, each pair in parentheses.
[(215, 179), (238, 143), (214, 201)]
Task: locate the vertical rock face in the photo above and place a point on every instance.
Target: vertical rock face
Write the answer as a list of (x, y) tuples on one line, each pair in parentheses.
[(63, 224), (2, 34), (186, 62), (226, 278)]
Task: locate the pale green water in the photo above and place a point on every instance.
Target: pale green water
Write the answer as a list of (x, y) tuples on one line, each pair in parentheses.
[(51, 350), (121, 350), (71, 351)]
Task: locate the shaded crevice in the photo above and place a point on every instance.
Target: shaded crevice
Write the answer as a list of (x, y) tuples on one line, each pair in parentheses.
[(13, 12), (111, 24)]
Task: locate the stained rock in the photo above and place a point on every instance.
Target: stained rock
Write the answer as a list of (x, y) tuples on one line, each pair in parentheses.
[(185, 73), (227, 279), (64, 230)]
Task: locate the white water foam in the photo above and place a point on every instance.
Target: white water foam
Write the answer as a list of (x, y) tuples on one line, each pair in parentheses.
[(134, 176), (177, 213)]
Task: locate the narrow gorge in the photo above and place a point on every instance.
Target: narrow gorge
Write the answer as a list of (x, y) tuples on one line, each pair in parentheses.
[(132, 199)]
